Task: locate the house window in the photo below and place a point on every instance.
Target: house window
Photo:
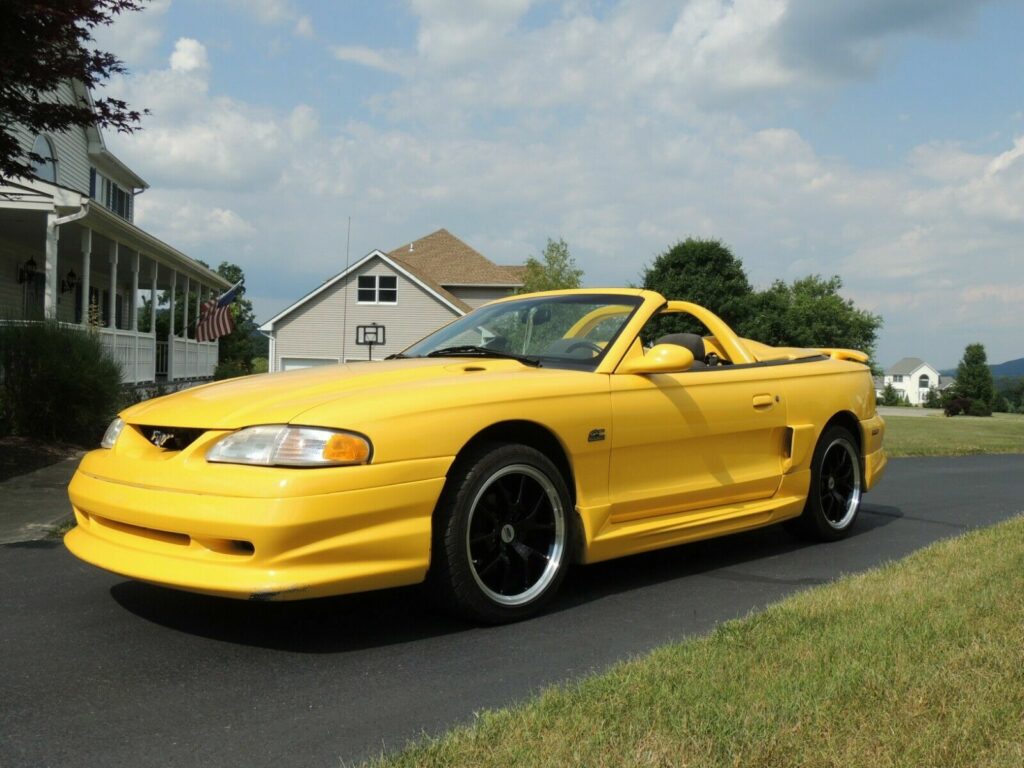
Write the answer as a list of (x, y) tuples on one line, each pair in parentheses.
[(924, 382), (46, 168), (110, 195), (377, 289), (897, 379)]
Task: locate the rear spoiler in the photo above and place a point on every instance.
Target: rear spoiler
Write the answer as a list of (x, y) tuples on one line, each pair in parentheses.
[(846, 354)]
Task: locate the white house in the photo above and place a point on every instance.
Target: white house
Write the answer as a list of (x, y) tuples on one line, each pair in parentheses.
[(396, 298), (68, 242), (912, 377)]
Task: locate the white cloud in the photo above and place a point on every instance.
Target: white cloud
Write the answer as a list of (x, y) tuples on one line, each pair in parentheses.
[(368, 57), (452, 31), (134, 37), (186, 222), (304, 27), (273, 13), (189, 55)]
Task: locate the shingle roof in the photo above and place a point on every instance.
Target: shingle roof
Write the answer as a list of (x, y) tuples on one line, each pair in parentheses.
[(445, 260), (425, 278), (905, 366)]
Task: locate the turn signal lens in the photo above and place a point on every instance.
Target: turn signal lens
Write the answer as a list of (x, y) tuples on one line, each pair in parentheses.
[(345, 448), (112, 433), (285, 446)]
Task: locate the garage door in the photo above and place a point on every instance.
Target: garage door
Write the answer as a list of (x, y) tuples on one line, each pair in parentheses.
[(293, 363)]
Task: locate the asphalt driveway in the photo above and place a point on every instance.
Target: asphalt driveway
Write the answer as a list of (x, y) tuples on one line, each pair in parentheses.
[(98, 670)]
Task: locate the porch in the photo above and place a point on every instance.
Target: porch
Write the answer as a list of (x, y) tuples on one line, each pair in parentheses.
[(67, 258)]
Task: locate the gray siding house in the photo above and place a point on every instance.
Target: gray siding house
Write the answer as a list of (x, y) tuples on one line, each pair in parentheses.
[(70, 251), (407, 293)]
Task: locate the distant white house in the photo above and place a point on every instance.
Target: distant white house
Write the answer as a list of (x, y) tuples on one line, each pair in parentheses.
[(912, 377), (399, 297), (70, 251)]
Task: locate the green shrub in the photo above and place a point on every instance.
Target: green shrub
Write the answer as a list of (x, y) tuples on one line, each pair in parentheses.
[(260, 365), (59, 383), (979, 408), (229, 369)]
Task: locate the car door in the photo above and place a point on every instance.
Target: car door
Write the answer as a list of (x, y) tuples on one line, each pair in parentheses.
[(695, 439)]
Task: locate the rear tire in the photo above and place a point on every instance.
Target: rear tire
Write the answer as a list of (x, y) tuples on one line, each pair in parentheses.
[(833, 499), (501, 534)]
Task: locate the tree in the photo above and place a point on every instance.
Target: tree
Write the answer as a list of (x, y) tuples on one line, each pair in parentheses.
[(237, 349), (933, 399), (702, 271), (890, 396), (558, 269), (810, 313), (45, 43), (974, 380)]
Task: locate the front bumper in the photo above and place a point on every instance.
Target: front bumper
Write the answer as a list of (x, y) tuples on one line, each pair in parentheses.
[(276, 547)]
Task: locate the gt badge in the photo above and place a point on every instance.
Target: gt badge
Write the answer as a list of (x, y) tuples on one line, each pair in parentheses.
[(596, 435)]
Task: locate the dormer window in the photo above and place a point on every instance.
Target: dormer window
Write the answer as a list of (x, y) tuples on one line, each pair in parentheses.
[(112, 196), (46, 168)]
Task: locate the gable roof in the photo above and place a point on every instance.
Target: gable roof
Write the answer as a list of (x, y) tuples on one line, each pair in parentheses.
[(456, 305), (449, 261), (906, 366)]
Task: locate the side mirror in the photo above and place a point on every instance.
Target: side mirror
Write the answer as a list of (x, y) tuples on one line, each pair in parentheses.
[(662, 358)]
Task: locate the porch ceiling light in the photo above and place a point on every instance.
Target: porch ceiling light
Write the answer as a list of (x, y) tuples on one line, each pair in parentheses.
[(27, 270), (70, 282)]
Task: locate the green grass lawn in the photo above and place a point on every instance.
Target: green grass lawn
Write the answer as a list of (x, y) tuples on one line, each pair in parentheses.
[(957, 436), (919, 663)]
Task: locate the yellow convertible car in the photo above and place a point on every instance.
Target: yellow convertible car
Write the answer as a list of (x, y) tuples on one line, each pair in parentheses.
[(538, 431)]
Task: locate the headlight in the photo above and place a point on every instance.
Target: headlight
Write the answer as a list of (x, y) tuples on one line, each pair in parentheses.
[(112, 433), (282, 445)]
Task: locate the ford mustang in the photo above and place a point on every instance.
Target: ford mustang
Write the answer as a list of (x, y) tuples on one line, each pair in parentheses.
[(536, 432)]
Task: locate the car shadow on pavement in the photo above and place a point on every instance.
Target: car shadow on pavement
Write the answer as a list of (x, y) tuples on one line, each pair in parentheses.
[(710, 556), (407, 614)]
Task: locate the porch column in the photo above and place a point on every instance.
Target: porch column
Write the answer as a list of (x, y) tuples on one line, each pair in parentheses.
[(199, 302), (112, 299), (50, 266), (170, 330), (135, 292), (86, 274), (152, 299), (184, 310), (135, 316), (174, 290)]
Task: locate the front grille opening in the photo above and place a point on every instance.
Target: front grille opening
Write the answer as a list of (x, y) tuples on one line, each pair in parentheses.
[(170, 438), (167, 537), (229, 546)]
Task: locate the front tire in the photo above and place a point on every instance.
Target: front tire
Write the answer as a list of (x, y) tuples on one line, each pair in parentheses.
[(501, 534), (833, 499)]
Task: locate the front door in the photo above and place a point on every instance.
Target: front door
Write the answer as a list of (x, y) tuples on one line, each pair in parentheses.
[(696, 439)]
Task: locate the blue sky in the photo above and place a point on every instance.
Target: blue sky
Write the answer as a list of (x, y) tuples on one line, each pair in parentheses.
[(881, 140)]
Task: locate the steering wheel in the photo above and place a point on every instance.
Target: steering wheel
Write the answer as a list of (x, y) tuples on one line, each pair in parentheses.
[(584, 344)]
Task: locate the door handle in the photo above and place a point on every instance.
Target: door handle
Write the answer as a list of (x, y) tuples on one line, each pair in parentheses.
[(764, 402)]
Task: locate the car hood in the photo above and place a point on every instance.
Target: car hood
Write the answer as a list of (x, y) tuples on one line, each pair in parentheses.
[(278, 398)]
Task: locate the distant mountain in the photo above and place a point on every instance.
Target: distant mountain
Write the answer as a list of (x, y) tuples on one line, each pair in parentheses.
[(1009, 368)]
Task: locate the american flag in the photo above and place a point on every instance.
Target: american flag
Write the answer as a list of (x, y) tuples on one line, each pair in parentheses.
[(215, 319)]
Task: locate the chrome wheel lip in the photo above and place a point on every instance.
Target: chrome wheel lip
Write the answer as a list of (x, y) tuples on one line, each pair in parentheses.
[(556, 549), (852, 502)]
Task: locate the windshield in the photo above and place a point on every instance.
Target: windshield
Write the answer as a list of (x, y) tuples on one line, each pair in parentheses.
[(570, 331)]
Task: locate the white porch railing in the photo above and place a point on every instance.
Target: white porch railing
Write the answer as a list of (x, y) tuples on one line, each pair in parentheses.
[(189, 359), (134, 352), (142, 358)]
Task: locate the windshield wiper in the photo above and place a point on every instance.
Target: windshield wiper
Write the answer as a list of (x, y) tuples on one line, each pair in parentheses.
[(470, 350), (397, 356)]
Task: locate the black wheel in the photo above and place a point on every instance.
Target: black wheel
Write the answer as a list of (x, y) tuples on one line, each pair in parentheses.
[(501, 534), (833, 498)]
